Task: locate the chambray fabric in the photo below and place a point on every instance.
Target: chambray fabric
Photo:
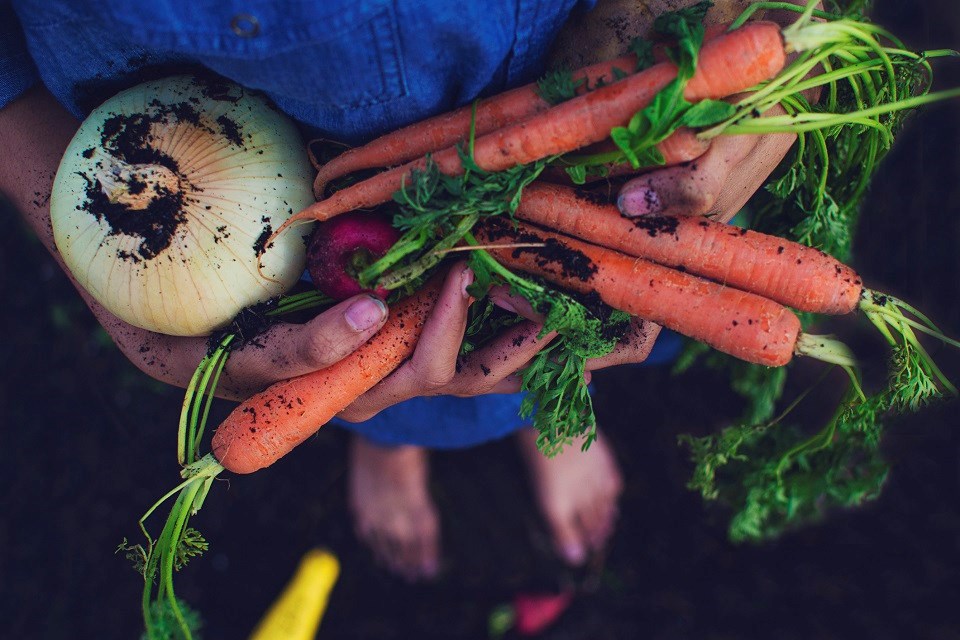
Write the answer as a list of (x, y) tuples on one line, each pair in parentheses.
[(347, 69), (344, 69)]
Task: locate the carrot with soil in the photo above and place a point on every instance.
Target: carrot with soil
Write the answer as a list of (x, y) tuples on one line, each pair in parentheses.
[(745, 325), (741, 324), (642, 110), (449, 129), (790, 273), (489, 114), (729, 64), (267, 426), (256, 434)]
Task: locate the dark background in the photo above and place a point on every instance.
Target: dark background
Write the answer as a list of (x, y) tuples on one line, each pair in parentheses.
[(88, 443)]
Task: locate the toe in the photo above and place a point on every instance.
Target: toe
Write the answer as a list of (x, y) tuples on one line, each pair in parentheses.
[(428, 557), (392, 509), (567, 537), (419, 556)]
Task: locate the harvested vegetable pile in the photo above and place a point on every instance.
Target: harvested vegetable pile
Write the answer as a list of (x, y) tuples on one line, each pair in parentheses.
[(463, 181)]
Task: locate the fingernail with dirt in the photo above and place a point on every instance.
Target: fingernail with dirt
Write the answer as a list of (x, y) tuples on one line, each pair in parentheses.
[(466, 279), (639, 201), (365, 313), (503, 303)]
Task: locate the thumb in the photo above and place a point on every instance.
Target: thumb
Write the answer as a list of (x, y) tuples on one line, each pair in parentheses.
[(688, 189), (290, 350)]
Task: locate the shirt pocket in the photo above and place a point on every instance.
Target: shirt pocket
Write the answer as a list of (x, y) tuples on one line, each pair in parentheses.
[(338, 53)]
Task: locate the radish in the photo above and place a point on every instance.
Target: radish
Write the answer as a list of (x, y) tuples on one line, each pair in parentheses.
[(342, 247), (536, 612)]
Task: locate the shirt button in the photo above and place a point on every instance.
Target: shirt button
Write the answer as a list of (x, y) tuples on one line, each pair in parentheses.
[(245, 25)]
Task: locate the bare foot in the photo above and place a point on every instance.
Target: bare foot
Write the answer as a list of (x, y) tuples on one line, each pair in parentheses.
[(577, 492), (392, 509)]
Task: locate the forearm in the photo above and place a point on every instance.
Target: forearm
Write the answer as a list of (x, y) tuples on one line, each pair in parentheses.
[(34, 132)]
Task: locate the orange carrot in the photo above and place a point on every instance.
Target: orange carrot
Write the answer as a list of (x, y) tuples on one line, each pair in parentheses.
[(790, 273), (681, 146), (267, 426), (448, 129), (727, 65), (741, 324)]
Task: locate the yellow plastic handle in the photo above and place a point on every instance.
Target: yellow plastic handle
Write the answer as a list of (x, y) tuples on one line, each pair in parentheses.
[(296, 614)]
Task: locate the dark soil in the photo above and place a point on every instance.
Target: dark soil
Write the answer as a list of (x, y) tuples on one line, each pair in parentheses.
[(89, 444)]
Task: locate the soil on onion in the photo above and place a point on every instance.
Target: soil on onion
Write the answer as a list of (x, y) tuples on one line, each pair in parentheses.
[(89, 444)]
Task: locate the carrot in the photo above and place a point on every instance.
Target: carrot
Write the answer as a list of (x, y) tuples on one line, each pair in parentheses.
[(448, 129), (728, 64), (741, 324), (790, 273), (267, 426), (681, 146)]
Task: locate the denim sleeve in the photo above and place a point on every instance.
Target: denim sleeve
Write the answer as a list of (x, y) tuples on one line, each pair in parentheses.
[(17, 71)]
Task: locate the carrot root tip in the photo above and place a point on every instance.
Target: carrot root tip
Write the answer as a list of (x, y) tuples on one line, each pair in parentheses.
[(826, 349)]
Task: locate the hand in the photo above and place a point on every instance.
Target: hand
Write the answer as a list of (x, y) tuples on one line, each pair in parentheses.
[(721, 181), (718, 183), (283, 351), (634, 347), (436, 368)]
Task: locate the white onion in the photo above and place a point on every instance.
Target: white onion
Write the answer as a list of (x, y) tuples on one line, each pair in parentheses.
[(165, 195)]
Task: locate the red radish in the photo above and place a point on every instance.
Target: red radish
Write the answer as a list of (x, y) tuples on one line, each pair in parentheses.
[(536, 612), (342, 247)]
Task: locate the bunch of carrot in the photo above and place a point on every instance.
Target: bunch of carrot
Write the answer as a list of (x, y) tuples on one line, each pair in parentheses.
[(522, 131), (730, 288), (727, 287)]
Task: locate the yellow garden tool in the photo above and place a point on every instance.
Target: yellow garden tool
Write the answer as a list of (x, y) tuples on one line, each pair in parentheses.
[(296, 614)]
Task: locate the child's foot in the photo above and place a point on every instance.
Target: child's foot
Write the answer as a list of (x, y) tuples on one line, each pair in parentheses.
[(577, 492), (392, 509)]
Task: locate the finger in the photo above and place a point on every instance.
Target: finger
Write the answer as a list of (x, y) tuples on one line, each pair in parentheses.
[(750, 174), (567, 539), (406, 559), (482, 370), (289, 350), (511, 384), (500, 295), (689, 189), (634, 347), (434, 361), (428, 549)]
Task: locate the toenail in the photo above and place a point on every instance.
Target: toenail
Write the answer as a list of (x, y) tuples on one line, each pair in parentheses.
[(430, 569), (574, 553)]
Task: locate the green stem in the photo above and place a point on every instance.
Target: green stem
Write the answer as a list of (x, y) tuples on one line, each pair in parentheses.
[(494, 266), (776, 6), (211, 366), (183, 427), (404, 275), (825, 348), (161, 554), (182, 509), (827, 120), (214, 380)]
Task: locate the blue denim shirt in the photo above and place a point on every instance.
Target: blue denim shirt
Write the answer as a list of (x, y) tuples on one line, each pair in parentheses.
[(348, 69)]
